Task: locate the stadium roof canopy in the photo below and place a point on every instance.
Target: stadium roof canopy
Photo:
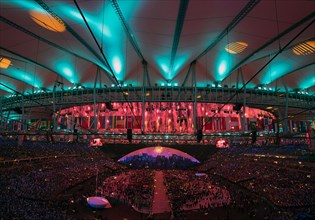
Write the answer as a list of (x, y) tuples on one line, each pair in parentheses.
[(267, 44)]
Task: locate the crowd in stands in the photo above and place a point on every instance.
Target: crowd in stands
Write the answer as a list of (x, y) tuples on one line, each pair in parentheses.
[(248, 179), (284, 186), (188, 191), (30, 189), (134, 187), (158, 162)]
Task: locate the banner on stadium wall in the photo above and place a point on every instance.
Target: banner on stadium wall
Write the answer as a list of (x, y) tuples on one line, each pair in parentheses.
[(120, 122), (102, 122), (69, 122), (63, 122), (43, 124), (10, 126), (93, 120), (85, 122), (216, 124), (302, 126), (137, 122), (250, 122), (227, 123), (208, 123), (110, 122), (235, 124), (34, 124), (223, 123), (199, 123), (129, 122)]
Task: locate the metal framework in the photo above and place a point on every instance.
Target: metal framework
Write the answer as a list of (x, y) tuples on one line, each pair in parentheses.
[(252, 97)]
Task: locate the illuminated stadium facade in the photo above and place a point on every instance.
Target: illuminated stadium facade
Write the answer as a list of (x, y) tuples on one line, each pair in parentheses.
[(158, 110)]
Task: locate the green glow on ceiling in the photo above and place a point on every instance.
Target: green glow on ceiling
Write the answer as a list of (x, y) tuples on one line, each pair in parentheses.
[(222, 67), (165, 69), (117, 65), (23, 76), (30, 5), (5, 88), (67, 70), (308, 82), (97, 26), (178, 63), (163, 62), (275, 71), (224, 62)]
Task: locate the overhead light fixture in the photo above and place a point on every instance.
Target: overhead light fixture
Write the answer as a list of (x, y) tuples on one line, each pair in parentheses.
[(236, 47), (304, 48), (4, 63), (44, 19)]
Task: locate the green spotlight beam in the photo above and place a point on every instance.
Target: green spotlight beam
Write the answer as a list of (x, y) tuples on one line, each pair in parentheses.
[(18, 27), (128, 31), (131, 38), (111, 71), (32, 61), (75, 34), (14, 78), (295, 70), (262, 68)]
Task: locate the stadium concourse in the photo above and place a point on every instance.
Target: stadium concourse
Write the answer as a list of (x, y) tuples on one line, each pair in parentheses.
[(177, 109)]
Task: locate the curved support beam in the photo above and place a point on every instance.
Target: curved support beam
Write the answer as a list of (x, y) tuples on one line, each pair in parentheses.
[(239, 17), (25, 31), (31, 61), (178, 30), (188, 73), (293, 71), (127, 29), (11, 77), (76, 35), (291, 28)]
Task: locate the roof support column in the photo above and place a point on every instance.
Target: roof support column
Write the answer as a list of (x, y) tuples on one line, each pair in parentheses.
[(243, 113), (285, 118), (143, 96), (143, 111), (95, 118), (58, 83), (146, 82), (188, 74), (193, 82), (1, 116), (146, 76), (21, 136)]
